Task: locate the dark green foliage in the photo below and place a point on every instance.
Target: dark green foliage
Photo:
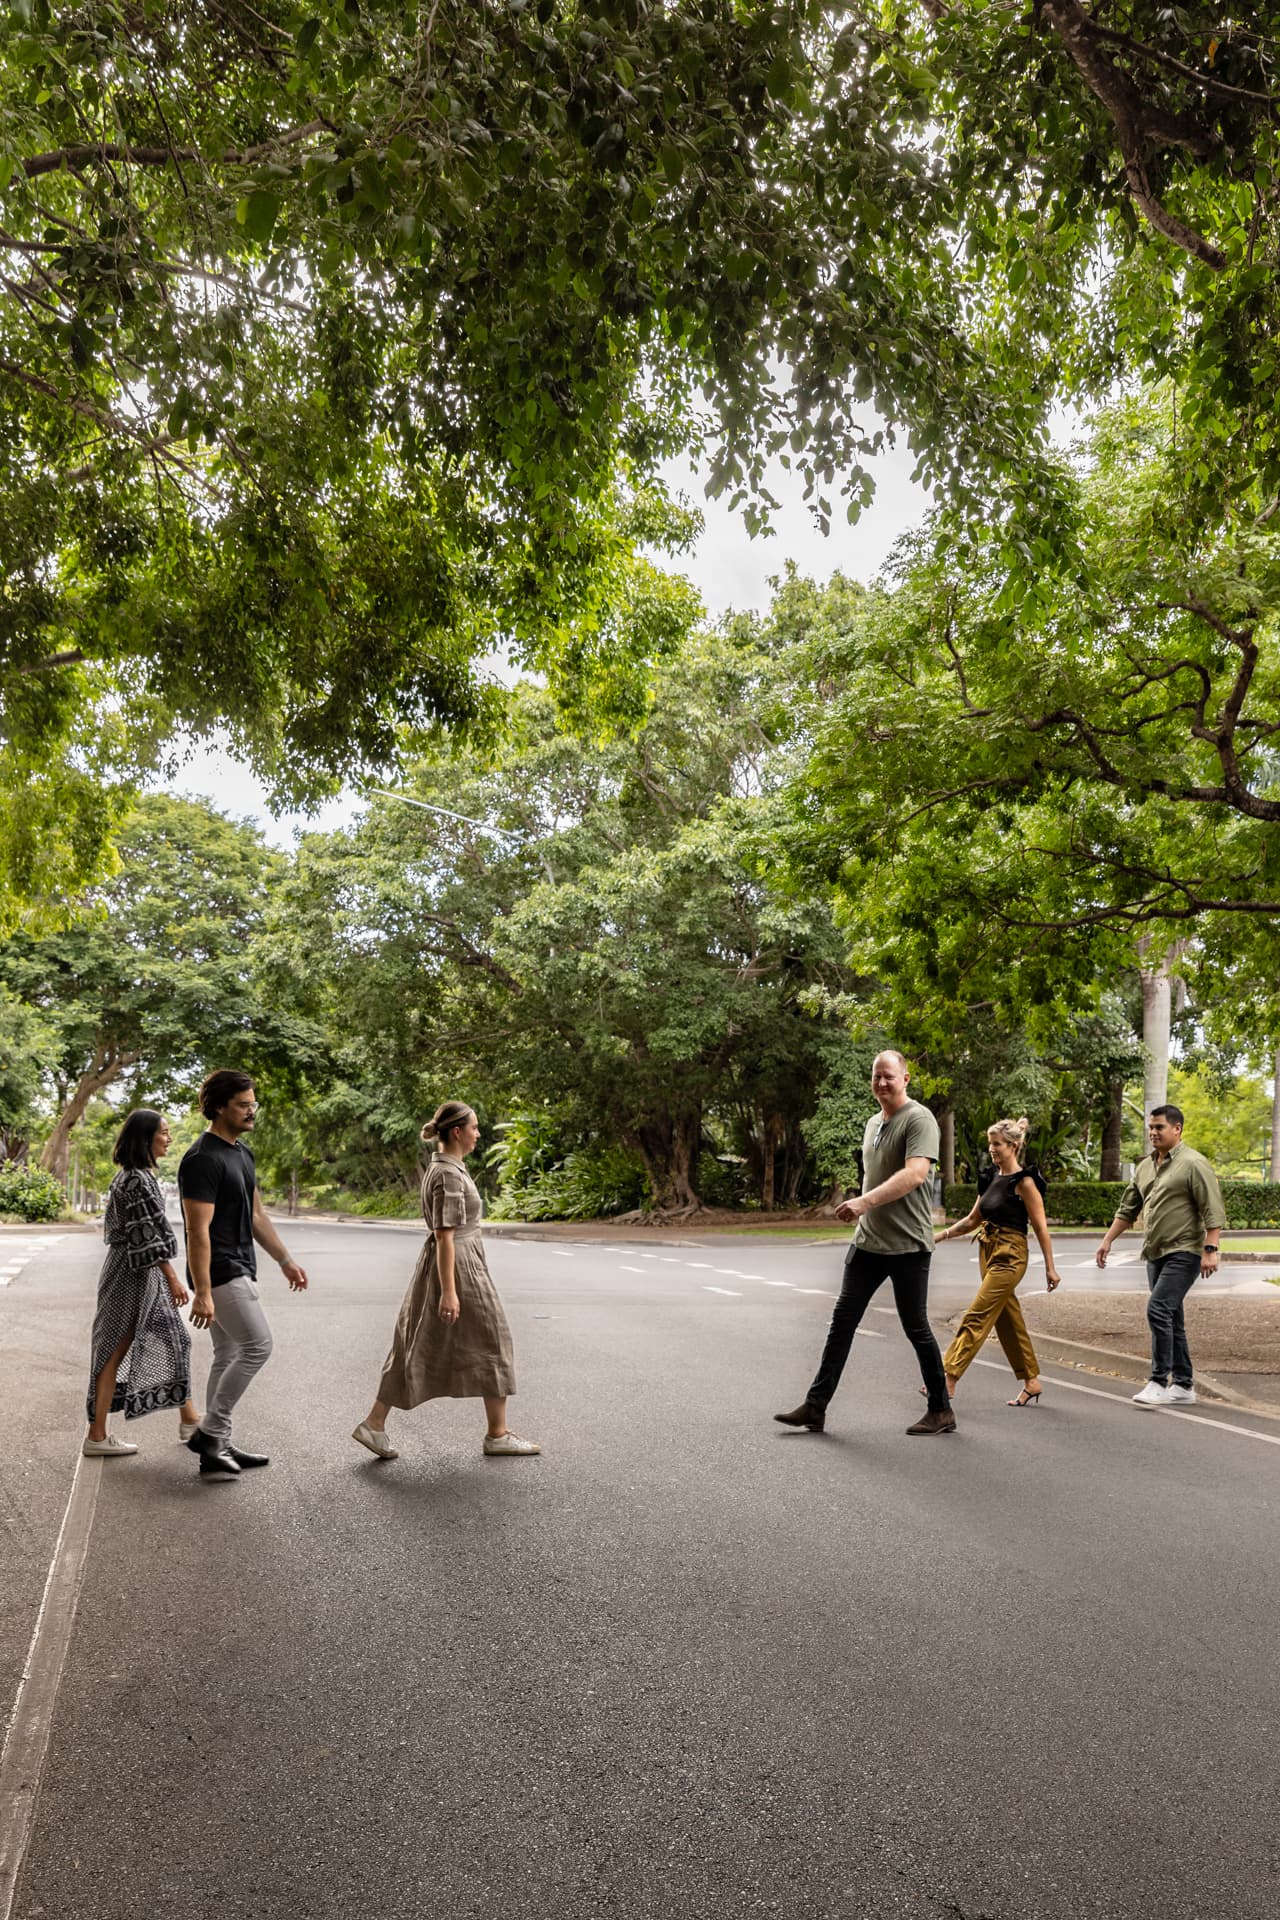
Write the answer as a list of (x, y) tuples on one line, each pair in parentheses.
[(30, 1193), (1093, 1203)]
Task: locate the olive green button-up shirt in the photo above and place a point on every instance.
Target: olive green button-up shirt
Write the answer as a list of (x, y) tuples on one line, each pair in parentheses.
[(1179, 1199)]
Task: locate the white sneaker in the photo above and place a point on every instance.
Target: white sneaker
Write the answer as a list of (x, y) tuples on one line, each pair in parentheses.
[(185, 1430), (1152, 1395), (1180, 1396), (376, 1441), (104, 1449), (508, 1443)]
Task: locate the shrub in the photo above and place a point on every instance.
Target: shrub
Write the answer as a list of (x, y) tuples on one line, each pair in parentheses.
[(1093, 1203), (588, 1184), (30, 1192)]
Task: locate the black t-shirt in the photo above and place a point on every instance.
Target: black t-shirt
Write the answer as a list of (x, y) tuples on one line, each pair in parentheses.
[(215, 1170), (1002, 1205)]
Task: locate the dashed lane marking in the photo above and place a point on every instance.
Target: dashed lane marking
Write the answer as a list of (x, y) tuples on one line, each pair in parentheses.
[(23, 1253), (728, 1291)]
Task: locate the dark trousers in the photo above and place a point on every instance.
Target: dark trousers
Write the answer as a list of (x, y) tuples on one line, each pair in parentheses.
[(1170, 1280), (863, 1275)]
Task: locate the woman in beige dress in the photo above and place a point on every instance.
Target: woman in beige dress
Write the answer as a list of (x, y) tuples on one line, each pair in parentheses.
[(452, 1341)]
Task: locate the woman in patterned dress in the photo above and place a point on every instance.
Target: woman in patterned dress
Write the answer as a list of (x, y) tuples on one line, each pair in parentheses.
[(452, 1340), (141, 1347)]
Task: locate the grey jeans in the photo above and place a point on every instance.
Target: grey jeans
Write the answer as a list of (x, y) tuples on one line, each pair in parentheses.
[(241, 1346)]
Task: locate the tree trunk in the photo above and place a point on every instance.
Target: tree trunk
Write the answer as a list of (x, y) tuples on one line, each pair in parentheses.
[(669, 1146), (947, 1151), (1272, 1173), (768, 1161), (101, 1071), (1156, 974), (1109, 1168)]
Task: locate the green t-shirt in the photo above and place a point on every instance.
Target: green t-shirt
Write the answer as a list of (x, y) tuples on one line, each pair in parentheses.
[(906, 1225)]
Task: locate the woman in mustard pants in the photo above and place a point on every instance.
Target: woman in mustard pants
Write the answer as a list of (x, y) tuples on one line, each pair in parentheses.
[(1005, 1208)]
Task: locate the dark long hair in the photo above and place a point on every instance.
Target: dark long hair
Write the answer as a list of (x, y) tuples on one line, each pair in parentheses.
[(136, 1138)]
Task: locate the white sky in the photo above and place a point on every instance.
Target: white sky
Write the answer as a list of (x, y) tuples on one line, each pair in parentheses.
[(729, 569)]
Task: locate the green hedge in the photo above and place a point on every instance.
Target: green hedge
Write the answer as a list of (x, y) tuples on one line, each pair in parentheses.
[(1093, 1203), (30, 1192)]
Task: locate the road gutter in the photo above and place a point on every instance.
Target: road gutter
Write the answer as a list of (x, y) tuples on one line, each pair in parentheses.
[(27, 1736)]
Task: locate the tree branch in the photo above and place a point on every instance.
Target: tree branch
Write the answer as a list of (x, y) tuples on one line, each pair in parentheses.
[(1140, 127), (74, 158)]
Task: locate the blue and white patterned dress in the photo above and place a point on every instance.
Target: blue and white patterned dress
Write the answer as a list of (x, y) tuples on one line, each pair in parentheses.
[(133, 1296)]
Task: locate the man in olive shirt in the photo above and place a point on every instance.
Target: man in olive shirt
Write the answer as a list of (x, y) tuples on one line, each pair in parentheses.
[(893, 1241), (1177, 1193)]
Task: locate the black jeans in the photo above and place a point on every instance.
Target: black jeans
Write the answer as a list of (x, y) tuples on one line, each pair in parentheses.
[(863, 1274), (1170, 1280)]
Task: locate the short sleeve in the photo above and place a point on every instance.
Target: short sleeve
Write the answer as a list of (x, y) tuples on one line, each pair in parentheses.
[(445, 1197), (200, 1178), (922, 1139)]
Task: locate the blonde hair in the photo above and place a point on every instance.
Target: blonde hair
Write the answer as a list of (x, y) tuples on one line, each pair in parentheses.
[(446, 1119), (1012, 1132)]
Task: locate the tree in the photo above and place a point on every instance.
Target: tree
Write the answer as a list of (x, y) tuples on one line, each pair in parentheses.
[(24, 1041), (153, 980), (605, 947), (1093, 765)]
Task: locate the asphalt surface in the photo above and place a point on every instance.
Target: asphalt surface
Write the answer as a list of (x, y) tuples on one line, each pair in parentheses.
[(685, 1664)]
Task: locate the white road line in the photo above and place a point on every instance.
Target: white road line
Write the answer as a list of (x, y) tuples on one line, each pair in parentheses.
[(725, 1290), (868, 1333), (892, 1310), (27, 1740), (630, 1269), (783, 1283), (826, 1294), (1165, 1413), (704, 1264), (563, 1252)]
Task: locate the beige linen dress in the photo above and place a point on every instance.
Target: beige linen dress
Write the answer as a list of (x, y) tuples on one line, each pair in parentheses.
[(431, 1359)]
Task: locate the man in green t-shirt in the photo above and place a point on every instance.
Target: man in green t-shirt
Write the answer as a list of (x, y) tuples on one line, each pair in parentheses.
[(893, 1241)]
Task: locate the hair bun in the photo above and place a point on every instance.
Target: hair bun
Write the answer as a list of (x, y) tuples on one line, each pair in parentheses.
[(429, 1131)]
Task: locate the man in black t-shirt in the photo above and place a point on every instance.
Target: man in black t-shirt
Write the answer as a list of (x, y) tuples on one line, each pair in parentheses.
[(224, 1215)]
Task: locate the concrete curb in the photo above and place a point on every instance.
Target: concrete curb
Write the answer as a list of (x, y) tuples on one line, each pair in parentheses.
[(1134, 1367)]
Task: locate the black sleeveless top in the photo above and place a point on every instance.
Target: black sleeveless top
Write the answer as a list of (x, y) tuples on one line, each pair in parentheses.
[(1000, 1203)]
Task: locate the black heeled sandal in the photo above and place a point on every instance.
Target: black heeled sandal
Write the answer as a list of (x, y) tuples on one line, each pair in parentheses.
[(1025, 1399)]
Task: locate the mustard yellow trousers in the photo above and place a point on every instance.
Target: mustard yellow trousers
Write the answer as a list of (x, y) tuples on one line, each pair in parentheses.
[(1002, 1261)]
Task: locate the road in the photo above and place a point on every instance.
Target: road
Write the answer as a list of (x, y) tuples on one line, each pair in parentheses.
[(686, 1663)]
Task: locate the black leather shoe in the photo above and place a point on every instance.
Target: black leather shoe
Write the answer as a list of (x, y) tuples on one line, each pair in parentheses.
[(806, 1416), (935, 1423), (249, 1459), (216, 1464), (202, 1442)]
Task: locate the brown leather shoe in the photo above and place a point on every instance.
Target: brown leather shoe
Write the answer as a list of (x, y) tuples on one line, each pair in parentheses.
[(935, 1423), (806, 1416)]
